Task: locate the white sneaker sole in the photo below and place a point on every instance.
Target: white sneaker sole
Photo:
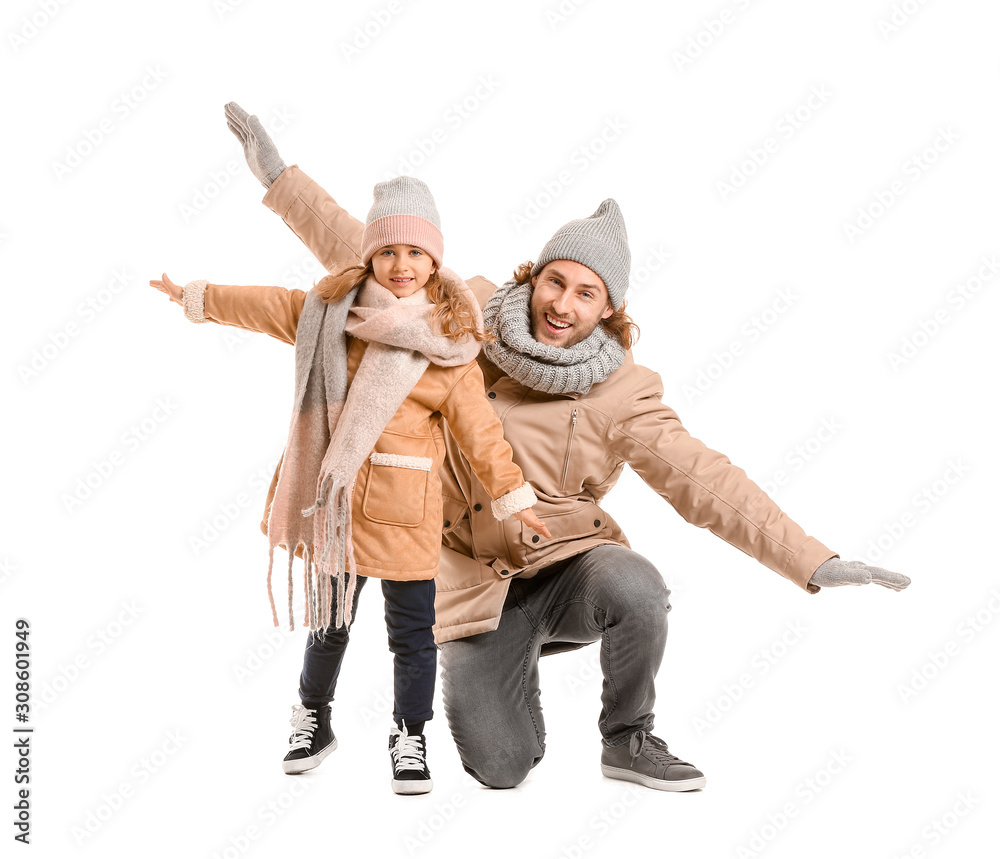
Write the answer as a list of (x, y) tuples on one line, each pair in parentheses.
[(301, 765), (409, 788), (649, 781)]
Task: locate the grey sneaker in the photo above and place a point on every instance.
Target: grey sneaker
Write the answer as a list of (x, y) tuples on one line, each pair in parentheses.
[(645, 760)]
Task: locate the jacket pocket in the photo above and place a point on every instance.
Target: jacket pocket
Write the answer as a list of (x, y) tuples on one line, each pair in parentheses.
[(584, 520), (396, 492)]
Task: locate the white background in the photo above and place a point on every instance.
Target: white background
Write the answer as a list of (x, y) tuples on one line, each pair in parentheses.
[(161, 691)]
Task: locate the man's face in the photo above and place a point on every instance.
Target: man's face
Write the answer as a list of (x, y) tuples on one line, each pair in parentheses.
[(567, 303), (402, 269)]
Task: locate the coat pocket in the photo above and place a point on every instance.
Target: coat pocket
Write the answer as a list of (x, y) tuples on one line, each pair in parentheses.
[(396, 492), (583, 520)]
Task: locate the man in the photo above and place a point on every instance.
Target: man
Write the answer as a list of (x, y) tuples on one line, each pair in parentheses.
[(575, 409)]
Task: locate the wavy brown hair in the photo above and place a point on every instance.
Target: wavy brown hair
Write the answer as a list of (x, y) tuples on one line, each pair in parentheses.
[(619, 324), (452, 312)]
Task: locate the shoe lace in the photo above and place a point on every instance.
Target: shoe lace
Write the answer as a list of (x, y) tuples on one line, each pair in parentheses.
[(654, 748), (303, 724), (408, 753)]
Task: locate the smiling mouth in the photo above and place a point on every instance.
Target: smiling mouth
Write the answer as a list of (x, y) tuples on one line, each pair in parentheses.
[(400, 279), (555, 324)]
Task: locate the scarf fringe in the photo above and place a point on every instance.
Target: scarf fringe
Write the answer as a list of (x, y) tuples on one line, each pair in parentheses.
[(321, 580)]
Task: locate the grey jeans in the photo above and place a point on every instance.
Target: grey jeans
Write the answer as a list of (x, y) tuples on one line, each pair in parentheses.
[(490, 680)]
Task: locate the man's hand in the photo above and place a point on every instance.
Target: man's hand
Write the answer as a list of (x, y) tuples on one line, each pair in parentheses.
[(260, 151), (836, 572)]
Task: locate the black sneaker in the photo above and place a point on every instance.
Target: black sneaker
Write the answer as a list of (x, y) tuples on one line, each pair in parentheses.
[(409, 762), (311, 741)]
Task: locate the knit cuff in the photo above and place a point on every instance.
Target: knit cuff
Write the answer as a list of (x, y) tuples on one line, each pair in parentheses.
[(194, 300), (513, 502)]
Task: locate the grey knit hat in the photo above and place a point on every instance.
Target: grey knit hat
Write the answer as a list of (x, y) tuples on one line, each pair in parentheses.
[(598, 242), (403, 213)]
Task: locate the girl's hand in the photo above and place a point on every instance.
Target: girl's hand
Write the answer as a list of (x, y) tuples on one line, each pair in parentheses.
[(528, 517), (173, 291)]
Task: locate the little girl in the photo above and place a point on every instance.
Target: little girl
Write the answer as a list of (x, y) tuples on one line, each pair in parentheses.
[(383, 351)]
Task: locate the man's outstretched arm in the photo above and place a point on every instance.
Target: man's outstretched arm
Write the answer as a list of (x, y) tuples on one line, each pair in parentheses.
[(310, 212), (710, 492)]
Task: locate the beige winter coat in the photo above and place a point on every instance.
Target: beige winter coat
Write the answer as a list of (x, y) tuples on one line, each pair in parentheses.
[(571, 449), (396, 510)]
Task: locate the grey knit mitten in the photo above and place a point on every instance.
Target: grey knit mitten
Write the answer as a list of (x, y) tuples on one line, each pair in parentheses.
[(260, 151), (836, 572)]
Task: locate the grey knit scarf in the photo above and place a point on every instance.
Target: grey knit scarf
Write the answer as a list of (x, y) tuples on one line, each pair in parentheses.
[(334, 426), (550, 369)]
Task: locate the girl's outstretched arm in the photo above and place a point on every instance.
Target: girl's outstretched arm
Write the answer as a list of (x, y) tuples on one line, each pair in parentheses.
[(271, 310)]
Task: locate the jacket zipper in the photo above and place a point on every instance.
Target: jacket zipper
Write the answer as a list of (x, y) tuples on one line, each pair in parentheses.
[(572, 431)]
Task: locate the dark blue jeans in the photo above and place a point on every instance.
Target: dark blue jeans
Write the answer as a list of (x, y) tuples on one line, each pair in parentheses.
[(409, 618)]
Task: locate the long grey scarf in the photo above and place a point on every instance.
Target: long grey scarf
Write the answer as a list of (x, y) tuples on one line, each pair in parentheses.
[(550, 369), (334, 427)]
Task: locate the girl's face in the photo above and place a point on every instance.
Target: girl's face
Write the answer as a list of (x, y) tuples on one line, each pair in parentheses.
[(402, 269)]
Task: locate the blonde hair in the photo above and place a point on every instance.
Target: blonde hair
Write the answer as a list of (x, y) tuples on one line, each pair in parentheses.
[(618, 325), (452, 312)]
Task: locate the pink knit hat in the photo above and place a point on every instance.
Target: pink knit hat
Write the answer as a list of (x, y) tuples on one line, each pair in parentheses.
[(403, 214)]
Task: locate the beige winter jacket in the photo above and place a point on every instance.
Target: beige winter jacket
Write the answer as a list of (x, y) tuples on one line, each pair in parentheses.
[(396, 511), (571, 448)]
